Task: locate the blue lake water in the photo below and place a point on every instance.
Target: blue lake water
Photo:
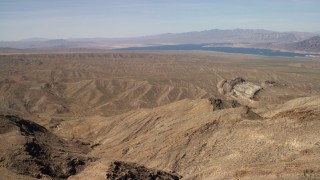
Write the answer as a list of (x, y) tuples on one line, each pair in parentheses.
[(202, 47)]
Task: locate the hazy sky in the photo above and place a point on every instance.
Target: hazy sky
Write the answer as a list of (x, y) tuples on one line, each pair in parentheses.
[(21, 19)]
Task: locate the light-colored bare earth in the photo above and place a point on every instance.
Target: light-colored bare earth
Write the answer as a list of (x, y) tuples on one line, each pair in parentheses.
[(152, 109)]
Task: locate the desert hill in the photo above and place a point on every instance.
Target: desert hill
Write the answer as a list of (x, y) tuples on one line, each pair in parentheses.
[(195, 115)]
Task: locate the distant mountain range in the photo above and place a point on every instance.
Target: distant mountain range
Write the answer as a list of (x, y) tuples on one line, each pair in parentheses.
[(39, 44), (309, 45), (229, 36), (251, 36)]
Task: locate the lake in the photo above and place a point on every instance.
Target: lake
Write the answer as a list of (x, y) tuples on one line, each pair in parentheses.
[(203, 47)]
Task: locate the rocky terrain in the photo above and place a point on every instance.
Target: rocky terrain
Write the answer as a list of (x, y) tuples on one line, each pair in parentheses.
[(159, 115)]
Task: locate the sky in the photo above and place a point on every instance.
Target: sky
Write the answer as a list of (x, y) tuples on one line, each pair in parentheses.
[(22, 19)]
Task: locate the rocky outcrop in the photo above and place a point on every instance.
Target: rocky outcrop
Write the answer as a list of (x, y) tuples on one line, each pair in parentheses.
[(246, 89), (248, 113), (272, 83), (119, 170), (218, 103), (239, 87)]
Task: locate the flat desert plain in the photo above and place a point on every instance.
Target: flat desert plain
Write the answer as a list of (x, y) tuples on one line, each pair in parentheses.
[(165, 115)]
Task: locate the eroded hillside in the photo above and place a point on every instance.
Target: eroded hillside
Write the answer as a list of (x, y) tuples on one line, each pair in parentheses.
[(196, 115)]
